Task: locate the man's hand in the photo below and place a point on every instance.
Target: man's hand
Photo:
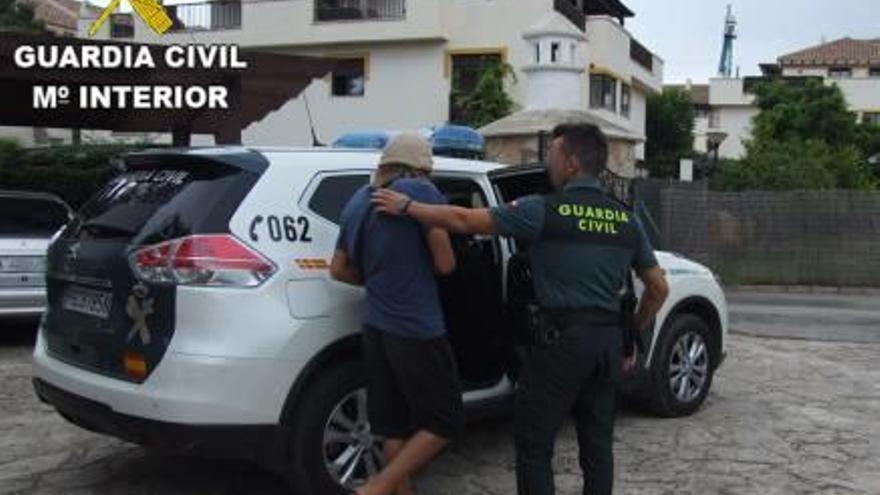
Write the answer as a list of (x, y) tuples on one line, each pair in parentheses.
[(449, 218), (390, 201), (655, 294)]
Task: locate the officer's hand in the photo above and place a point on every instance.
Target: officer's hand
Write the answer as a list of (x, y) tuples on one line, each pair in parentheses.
[(628, 363), (390, 202)]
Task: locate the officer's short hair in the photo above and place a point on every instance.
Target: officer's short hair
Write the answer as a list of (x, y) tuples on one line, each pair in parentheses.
[(587, 143)]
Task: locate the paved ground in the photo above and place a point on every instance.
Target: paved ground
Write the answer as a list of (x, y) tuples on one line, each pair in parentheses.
[(786, 416), (829, 317)]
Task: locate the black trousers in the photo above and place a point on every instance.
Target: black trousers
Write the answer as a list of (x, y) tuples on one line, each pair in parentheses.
[(576, 375)]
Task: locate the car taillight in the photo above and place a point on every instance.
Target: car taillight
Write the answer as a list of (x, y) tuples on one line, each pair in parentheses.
[(209, 260)]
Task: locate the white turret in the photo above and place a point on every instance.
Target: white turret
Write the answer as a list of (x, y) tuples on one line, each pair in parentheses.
[(556, 74)]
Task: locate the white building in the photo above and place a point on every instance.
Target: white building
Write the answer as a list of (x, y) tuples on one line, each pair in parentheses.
[(403, 58), (724, 112), (725, 107), (852, 64), (60, 18)]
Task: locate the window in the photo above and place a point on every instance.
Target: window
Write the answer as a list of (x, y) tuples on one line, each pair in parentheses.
[(625, 99), (871, 117), (874, 72), (554, 52), (839, 72), (715, 119), (466, 70), (349, 77), (603, 92), (701, 112), (359, 10), (333, 193), (27, 217)]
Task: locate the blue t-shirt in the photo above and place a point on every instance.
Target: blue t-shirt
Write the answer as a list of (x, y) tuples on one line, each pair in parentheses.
[(395, 262)]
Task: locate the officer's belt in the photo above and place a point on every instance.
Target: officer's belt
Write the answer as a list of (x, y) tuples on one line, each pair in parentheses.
[(577, 317)]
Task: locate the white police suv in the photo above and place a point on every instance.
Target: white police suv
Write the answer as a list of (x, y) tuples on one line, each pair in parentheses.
[(190, 309)]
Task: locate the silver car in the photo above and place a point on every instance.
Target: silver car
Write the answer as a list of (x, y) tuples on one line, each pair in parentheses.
[(27, 223)]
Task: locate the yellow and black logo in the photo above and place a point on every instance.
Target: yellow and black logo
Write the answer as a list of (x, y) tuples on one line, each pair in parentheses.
[(594, 218), (150, 11)]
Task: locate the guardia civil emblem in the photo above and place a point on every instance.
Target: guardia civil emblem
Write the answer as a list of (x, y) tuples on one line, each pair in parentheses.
[(139, 307)]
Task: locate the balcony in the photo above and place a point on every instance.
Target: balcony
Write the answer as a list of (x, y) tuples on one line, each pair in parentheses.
[(294, 24), (359, 10), (572, 12), (213, 15)]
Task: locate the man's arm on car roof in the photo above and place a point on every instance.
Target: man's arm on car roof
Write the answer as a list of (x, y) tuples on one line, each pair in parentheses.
[(342, 271), (451, 218)]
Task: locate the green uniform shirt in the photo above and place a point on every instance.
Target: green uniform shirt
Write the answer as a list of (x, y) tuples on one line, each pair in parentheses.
[(582, 245)]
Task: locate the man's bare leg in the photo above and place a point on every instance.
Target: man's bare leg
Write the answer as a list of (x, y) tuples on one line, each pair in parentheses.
[(392, 448), (420, 449)]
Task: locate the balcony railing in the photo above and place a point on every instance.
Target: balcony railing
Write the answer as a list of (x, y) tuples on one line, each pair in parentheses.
[(358, 10), (572, 12), (641, 55), (213, 15)]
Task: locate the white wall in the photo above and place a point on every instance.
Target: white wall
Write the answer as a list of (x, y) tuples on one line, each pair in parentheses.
[(405, 89), (637, 117), (862, 94), (804, 71), (737, 123), (728, 91), (609, 46)]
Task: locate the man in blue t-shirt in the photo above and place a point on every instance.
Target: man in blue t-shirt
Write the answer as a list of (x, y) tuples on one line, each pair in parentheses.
[(412, 386), (584, 246)]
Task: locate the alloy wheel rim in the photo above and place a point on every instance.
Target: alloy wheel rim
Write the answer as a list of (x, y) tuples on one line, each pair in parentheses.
[(352, 454), (688, 367)]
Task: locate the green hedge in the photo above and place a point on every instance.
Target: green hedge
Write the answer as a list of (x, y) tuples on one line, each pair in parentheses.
[(75, 173)]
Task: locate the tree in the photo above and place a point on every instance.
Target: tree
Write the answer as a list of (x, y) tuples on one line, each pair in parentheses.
[(19, 17), (803, 110), (795, 164), (868, 141), (669, 129), (804, 137), (488, 101)]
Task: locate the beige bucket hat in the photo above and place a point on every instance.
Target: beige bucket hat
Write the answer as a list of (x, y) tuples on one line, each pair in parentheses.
[(408, 149)]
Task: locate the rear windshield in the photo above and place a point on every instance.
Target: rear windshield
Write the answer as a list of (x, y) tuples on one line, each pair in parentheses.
[(30, 217), (156, 204)]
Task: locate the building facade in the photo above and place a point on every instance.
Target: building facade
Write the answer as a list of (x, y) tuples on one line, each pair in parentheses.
[(402, 61), (725, 107), (60, 18), (851, 64)]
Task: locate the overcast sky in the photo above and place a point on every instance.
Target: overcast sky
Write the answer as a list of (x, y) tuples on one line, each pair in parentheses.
[(688, 34)]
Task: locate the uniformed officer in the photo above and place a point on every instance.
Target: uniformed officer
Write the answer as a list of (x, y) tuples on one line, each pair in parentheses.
[(583, 245)]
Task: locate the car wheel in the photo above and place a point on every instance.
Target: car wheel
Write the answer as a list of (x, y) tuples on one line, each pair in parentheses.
[(681, 369), (332, 448)]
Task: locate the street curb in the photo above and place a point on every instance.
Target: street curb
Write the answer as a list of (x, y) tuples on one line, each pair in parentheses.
[(804, 289)]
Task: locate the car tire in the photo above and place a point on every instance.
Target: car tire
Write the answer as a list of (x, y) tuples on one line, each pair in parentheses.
[(682, 367), (340, 390)]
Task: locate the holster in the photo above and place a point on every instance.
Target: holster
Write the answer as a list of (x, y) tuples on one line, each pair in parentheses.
[(631, 338)]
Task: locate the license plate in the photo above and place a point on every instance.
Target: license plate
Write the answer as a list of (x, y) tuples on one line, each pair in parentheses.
[(87, 301), (22, 264)]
